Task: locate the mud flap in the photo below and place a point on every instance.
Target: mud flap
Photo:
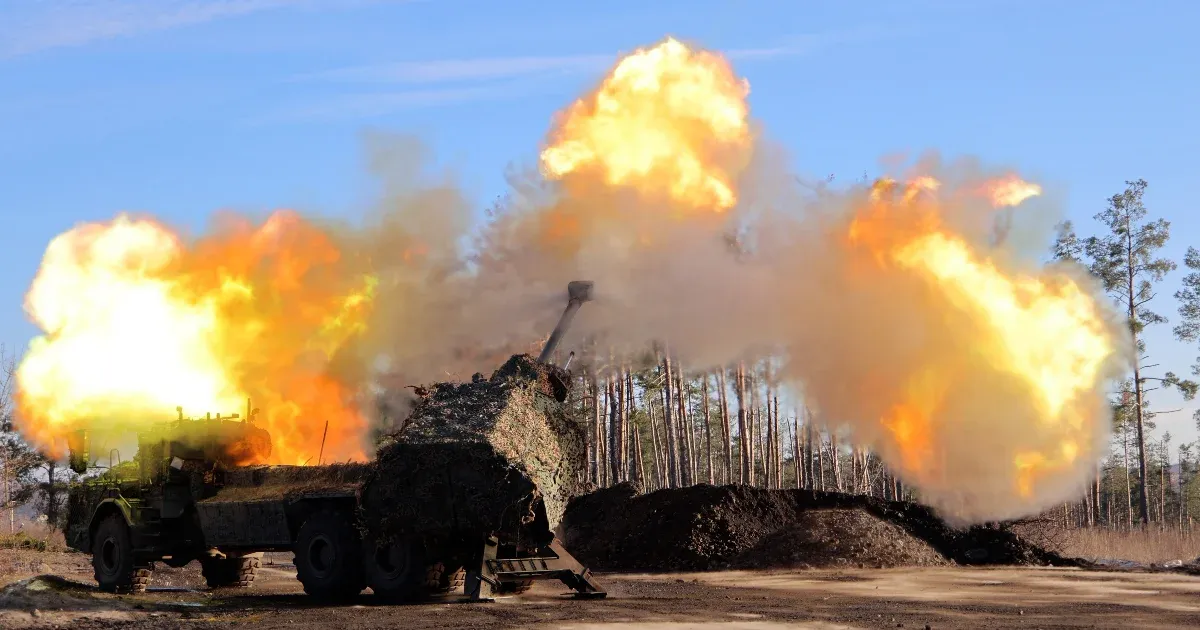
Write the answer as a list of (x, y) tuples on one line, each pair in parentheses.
[(554, 563)]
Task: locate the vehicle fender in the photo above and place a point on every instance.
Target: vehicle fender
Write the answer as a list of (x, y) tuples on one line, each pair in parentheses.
[(103, 508)]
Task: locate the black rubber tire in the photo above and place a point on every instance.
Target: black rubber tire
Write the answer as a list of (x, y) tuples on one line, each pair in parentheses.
[(441, 580), (229, 572), (398, 571), (329, 557), (112, 558)]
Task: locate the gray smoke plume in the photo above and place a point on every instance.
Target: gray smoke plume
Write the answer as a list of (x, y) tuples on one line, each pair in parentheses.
[(775, 276)]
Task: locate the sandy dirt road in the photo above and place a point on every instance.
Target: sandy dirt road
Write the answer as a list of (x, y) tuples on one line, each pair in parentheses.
[(817, 599)]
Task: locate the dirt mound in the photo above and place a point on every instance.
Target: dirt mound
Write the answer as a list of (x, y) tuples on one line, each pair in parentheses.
[(707, 527), (838, 538)]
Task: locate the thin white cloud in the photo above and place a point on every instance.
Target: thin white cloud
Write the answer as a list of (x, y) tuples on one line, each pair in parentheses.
[(493, 68), (450, 70), (362, 106), (490, 78), (31, 26)]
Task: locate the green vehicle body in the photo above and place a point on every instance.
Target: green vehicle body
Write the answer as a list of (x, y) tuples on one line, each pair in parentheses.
[(163, 500)]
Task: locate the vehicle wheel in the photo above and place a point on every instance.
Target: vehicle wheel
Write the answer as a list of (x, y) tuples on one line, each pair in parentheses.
[(230, 572), (443, 580), (112, 559), (329, 556), (398, 572)]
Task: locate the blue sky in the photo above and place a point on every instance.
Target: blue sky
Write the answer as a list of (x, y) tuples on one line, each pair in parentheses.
[(181, 108)]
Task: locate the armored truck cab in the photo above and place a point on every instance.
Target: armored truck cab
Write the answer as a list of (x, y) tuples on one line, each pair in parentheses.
[(144, 510)]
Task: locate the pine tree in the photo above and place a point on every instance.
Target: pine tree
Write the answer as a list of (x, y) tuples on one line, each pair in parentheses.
[(1188, 328), (1126, 261)]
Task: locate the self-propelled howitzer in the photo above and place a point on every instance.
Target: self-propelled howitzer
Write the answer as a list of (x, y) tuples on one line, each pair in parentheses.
[(464, 496)]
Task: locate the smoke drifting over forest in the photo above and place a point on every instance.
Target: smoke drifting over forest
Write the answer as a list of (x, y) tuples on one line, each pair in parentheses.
[(911, 311)]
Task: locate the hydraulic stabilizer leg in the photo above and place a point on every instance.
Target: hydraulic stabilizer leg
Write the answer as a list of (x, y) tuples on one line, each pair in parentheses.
[(554, 563)]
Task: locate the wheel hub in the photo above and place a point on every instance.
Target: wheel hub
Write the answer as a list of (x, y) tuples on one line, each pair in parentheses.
[(392, 560), (108, 555), (321, 555)]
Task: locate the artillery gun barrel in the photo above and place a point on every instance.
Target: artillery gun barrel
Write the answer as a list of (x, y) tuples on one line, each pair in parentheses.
[(578, 292)]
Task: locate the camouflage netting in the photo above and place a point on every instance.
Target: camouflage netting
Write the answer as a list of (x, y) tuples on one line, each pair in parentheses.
[(479, 457), (81, 500), (265, 483), (85, 495)]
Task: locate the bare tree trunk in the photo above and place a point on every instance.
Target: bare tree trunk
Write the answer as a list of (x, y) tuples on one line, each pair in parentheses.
[(614, 433), (594, 440), (837, 468), (1132, 313), (672, 450), (685, 454), (602, 437), (777, 449), (708, 458), (52, 495), (638, 469), (764, 452), (755, 421), (662, 440), (751, 427), (659, 473), (1162, 487), (746, 472), (693, 441), (1128, 481), (797, 460), (768, 456), (726, 429), (1087, 508), (625, 397), (856, 462), (6, 502), (866, 471), (1182, 498), (773, 441), (810, 461), (820, 461), (627, 420), (853, 489)]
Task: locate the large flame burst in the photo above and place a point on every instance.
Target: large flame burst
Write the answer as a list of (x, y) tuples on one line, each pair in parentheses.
[(667, 120), (137, 323), (1048, 333)]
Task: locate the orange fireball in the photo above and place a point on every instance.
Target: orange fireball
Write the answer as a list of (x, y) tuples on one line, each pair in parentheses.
[(137, 322), (1049, 334), (667, 121)]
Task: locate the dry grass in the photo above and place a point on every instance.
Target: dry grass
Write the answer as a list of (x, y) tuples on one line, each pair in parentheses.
[(34, 539), (1152, 545)]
